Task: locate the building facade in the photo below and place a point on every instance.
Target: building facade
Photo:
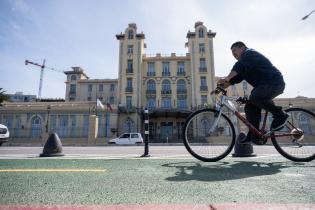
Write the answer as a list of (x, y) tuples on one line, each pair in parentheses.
[(96, 110)]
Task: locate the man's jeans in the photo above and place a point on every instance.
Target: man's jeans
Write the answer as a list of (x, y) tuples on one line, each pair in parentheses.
[(261, 98)]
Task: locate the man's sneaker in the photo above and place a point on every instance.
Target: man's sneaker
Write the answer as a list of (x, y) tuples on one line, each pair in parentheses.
[(279, 121), (243, 138)]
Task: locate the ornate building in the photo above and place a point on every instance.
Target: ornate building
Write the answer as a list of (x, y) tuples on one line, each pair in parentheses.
[(170, 86)]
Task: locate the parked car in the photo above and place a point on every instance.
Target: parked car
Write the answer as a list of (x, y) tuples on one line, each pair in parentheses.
[(127, 138), (4, 134)]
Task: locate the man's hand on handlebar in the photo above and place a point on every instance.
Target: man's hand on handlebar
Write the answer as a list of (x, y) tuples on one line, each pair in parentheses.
[(223, 83)]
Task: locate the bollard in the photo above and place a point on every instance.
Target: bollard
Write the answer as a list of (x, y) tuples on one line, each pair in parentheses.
[(243, 150), (52, 147), (146, 133)]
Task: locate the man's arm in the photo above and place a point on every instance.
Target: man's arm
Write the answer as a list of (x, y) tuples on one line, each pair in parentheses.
[(226, 81)]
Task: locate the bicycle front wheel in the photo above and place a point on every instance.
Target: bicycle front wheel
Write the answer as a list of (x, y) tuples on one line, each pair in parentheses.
[(296, 140), (208, 144)]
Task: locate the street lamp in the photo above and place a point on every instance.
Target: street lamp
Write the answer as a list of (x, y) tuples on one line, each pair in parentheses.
[(48, 114), (305, 17)]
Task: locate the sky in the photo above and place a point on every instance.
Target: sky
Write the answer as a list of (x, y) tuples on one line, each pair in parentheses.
[(82, 33)]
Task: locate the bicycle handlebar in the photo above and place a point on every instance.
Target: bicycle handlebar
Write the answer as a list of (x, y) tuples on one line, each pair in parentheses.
[(219, 89)]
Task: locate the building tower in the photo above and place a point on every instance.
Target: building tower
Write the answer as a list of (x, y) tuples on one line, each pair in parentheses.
[(200, 47), (131, 49)]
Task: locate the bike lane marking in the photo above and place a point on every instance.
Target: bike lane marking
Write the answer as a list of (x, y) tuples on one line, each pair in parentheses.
[(50, 170)]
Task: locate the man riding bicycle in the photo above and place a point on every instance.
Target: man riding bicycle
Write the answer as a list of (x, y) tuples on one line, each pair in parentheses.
[(267, 82)]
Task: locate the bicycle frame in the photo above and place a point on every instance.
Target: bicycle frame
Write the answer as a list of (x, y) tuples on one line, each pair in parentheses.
[(262, 133)]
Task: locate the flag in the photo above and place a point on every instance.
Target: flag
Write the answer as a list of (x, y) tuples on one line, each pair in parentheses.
[(109, 107), (99, 104)]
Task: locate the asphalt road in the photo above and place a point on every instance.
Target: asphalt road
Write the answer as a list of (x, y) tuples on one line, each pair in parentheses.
[(116, 175)]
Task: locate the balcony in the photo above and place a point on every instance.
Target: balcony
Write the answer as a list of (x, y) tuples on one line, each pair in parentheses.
[(151, 92), (72, 93), (129, 89), (166, 74), (202, 69), (166, 91), (181, 74), (203, 88), (182, 91), (151, 74), (127, 109), (129, 71)]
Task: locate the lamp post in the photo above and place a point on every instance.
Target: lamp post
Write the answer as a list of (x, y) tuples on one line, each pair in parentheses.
[(48, 116)]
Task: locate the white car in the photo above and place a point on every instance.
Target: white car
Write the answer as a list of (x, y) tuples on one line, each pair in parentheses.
[(127, 138), (4, 134)]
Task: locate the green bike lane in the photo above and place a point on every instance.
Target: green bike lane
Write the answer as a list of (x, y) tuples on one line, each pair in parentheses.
[(59, 181)]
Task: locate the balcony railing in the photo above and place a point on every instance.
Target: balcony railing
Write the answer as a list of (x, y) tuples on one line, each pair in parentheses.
[(151, 74), (151, 92), (203, 88), (166, 91), (129, 89), (181, 91), (202, 69), (129, 71), (127, 109), (166, 74), (181, 73)]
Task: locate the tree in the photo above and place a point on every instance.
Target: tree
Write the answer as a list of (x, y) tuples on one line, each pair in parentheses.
[(3, 96)]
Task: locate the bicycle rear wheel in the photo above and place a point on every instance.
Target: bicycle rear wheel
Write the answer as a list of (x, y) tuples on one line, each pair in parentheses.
[(300, 145), (204, 145)]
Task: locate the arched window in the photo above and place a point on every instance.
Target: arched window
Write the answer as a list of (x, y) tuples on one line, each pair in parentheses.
[(166, 85), (73, 77), (181, 85), (36, 127), (151, 85), (201, 34), (130, 34)]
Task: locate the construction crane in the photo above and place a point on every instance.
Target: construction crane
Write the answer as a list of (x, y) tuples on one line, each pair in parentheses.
[(41, 74)]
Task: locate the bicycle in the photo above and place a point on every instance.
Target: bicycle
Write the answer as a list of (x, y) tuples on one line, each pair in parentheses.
[(209, 135)]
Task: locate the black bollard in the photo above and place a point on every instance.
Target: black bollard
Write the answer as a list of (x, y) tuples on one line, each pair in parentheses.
[(52, 147), (243, 150), (146, 133)]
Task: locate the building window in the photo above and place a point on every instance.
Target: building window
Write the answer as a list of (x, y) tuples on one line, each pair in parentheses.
[(129, 82), (151, 103), (90, 88), (166, 87), (130, 49), (166, 102), (166, 69), (129, 66), (203, 81), (203, 66), (112, 87), (72, 89), (73, 78), (181, 86), (151, 69), (201, 48), (181, 102), (181, 68), (151, 85), (101, 87), (130, 34), (128, 101), (204, 99), (201, 34)]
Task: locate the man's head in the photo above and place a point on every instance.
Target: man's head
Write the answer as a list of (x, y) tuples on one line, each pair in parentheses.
[(237, 49)]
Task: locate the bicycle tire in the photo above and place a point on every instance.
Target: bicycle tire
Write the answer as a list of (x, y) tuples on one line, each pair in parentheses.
[(294, 150), (189, 146)]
